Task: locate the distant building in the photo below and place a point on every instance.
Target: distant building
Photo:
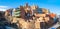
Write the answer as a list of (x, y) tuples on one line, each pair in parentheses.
[(16, 12), (7, 13), (11, 11), (22, 12), (2, 14), (59, 18)]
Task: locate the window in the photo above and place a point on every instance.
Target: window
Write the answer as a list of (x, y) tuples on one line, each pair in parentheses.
[(39, 10)]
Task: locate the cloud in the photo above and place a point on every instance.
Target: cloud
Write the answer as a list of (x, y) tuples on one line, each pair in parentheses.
[(3, 8)]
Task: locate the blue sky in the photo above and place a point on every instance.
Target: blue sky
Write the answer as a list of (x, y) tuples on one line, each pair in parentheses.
[(52, 5)]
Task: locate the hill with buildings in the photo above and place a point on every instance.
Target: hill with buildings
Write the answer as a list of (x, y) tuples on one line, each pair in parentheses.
[(30, 17)]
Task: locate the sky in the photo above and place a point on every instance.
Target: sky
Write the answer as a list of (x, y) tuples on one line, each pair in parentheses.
[(52, 5)]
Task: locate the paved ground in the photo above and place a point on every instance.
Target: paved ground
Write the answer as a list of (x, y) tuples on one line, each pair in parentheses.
[(55, 26)]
